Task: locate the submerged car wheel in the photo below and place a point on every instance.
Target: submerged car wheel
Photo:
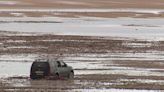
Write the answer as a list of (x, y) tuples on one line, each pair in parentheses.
[(57, 76), (33, 77), (71, 75)]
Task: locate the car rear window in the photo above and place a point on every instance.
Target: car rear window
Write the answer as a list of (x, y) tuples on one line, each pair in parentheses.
[(40, 64)]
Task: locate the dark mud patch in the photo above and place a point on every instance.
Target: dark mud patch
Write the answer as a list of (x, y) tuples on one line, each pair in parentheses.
[(71, 44)]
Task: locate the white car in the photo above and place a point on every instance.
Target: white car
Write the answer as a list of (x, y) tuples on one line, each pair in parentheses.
[(50, 69)]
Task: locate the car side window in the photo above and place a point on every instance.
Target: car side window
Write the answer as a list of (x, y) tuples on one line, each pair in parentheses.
[(59, 64), (63, 64)]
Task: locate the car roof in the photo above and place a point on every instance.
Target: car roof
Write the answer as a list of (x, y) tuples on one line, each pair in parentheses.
[(41, 60), (46, 60)]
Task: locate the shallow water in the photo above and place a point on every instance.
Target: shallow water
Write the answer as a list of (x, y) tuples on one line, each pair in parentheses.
[(86, 64), (149, 29), (15, 70), (11, 69), (149, 55)]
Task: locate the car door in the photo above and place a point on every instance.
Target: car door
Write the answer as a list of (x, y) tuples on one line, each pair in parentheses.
[(60, 69), (65, 69)]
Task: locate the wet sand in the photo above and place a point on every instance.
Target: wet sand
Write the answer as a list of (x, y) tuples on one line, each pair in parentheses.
[(101, 63), (81, 4), (159, 4), (105, 63), (75, 44), (114, 14)]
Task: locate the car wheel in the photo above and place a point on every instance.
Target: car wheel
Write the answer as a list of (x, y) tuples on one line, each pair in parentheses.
[(33, 77), (71, 75), (57, 76)]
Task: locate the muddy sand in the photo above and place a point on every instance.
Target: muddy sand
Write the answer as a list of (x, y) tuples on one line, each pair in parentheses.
[(101, 64), (81, 4), (153, 4), (105, 63), (113, 14)]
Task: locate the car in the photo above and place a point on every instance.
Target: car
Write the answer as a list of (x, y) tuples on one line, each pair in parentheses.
[(50, 69)]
